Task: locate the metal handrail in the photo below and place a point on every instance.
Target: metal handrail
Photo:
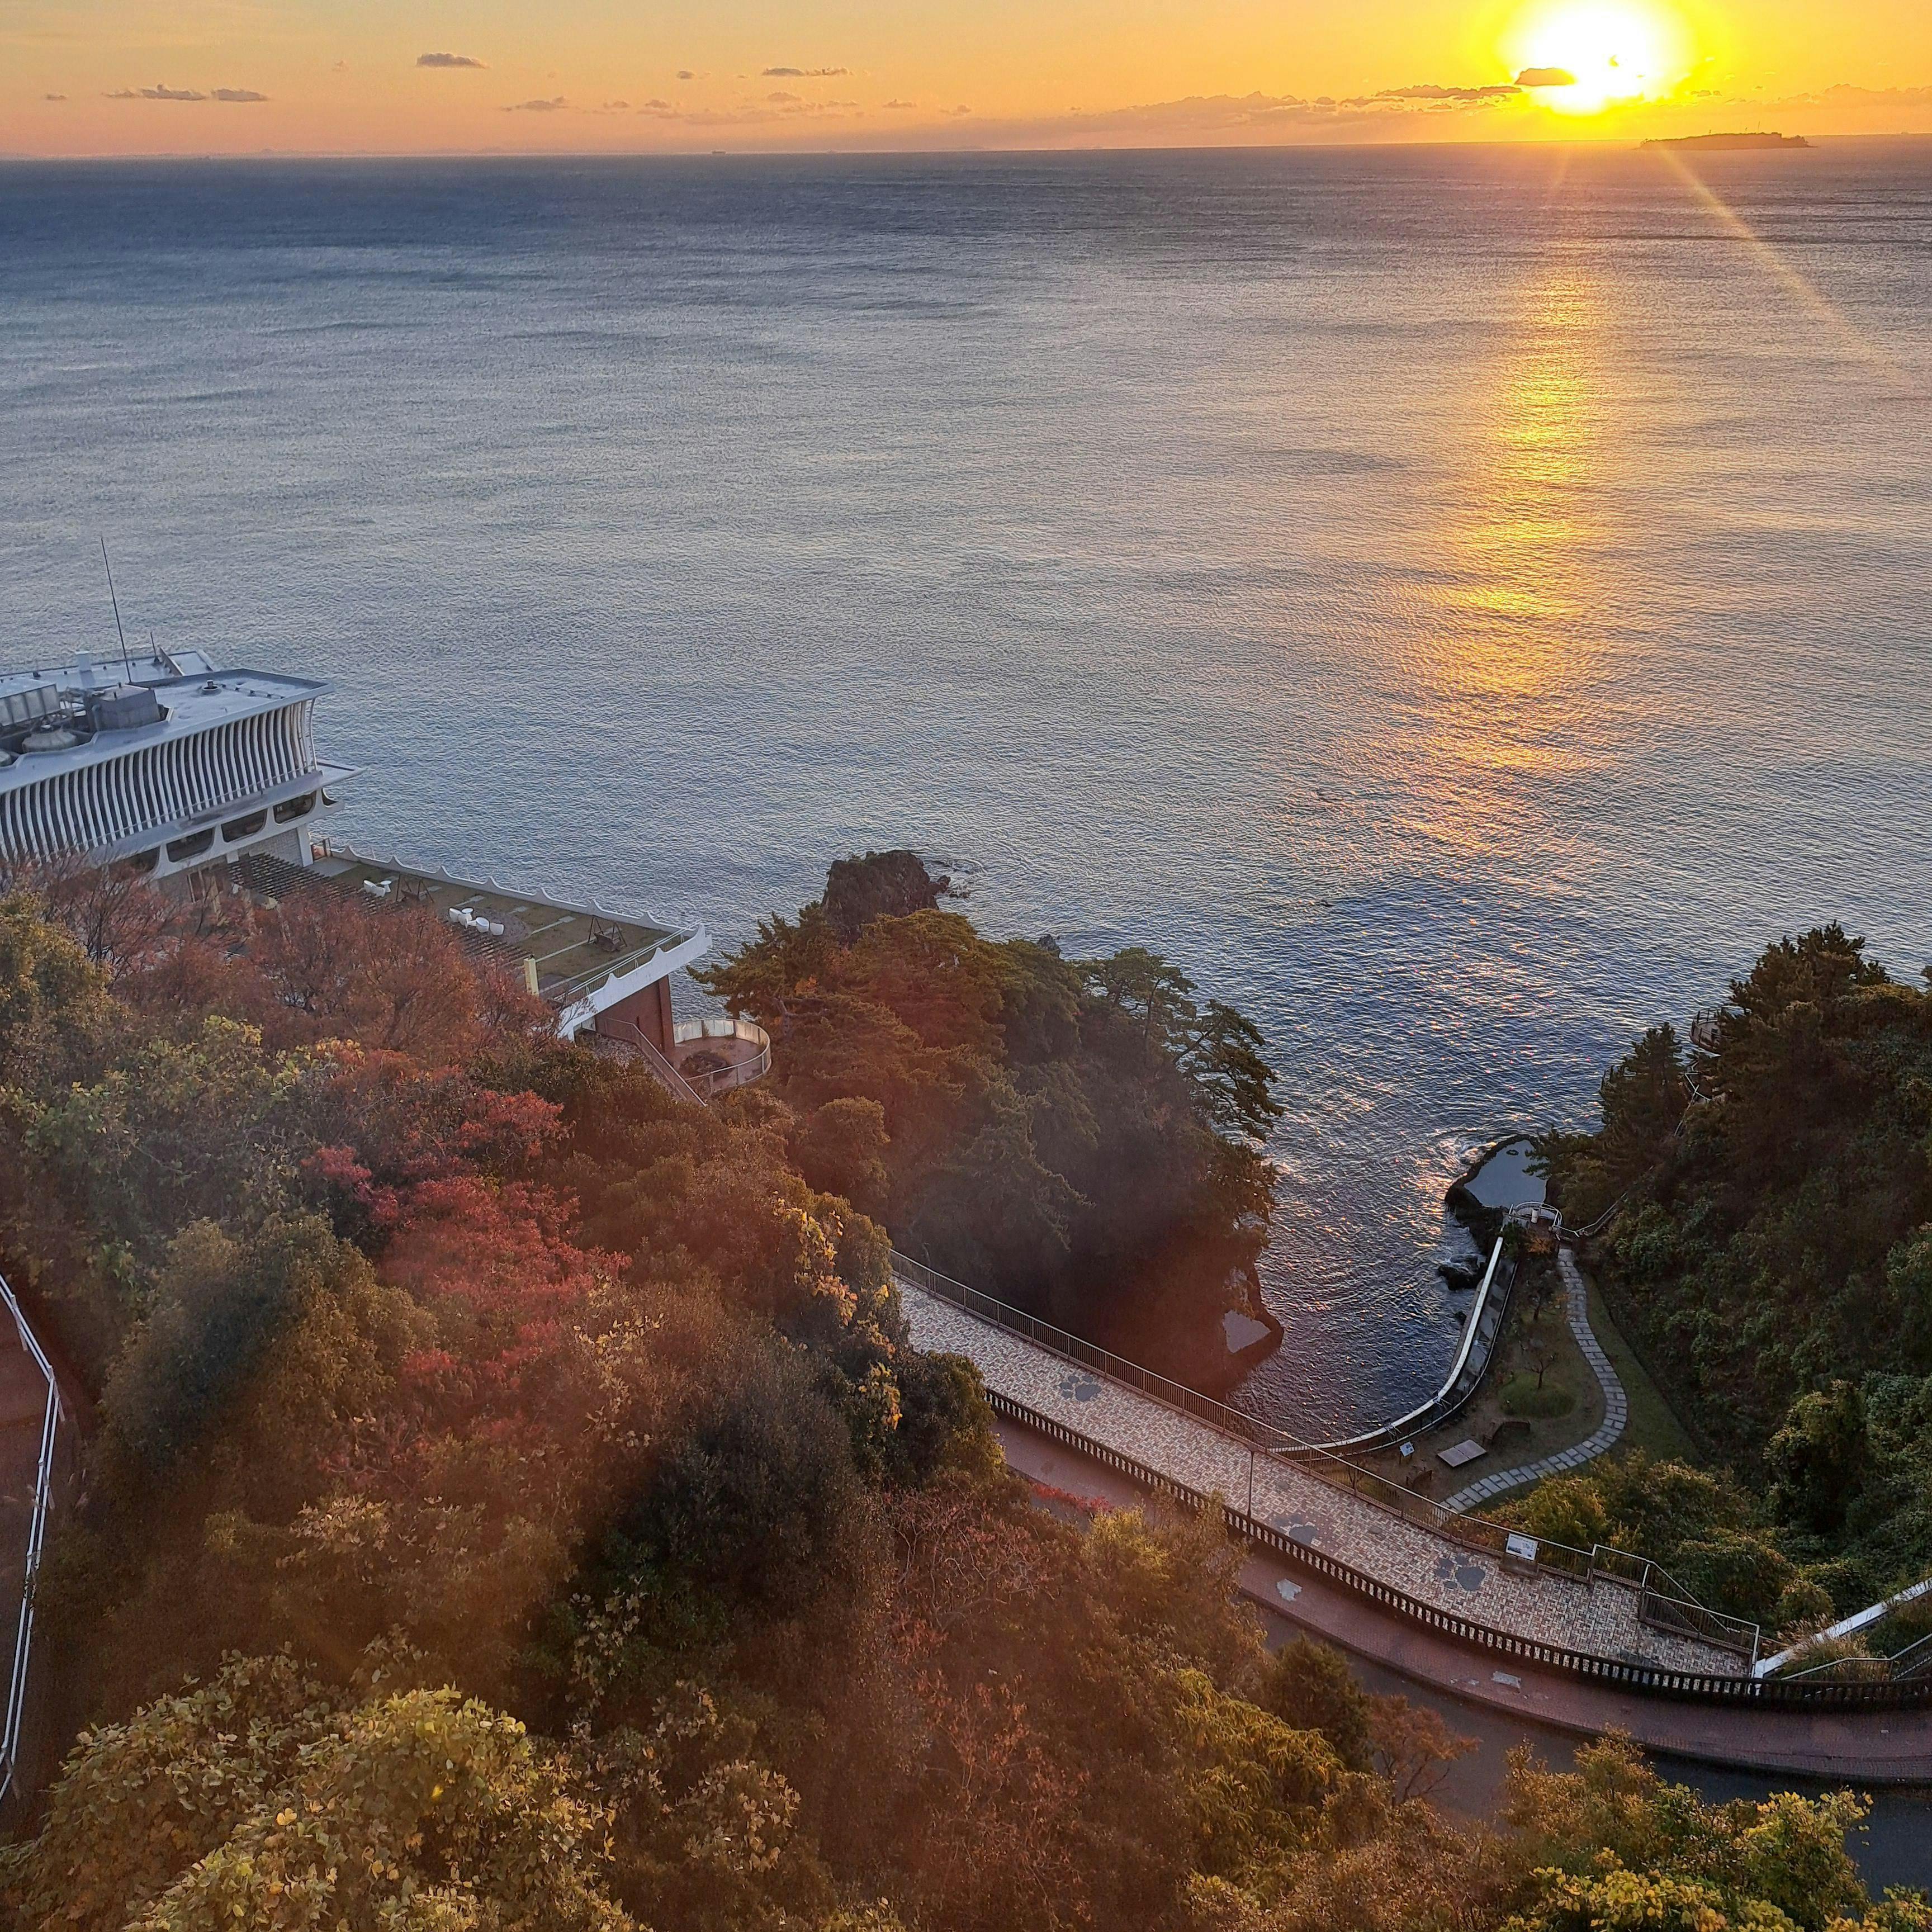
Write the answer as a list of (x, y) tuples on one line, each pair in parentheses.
[(741, 1073), (23, 1637), (1439, 1401), (629, 1036), (700, 1088), (1474, 1532), (1848, 1626), (1653, 1680)]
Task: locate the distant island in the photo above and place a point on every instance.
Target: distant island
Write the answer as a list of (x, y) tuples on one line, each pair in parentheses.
[(1725, 143)]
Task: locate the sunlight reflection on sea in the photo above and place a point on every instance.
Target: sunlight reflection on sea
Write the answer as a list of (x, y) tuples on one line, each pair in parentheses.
[(1457, 603)]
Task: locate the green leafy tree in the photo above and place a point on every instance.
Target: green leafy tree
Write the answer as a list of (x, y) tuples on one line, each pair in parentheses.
[(1819, 1458), (1310, 1686), (266, 1799)]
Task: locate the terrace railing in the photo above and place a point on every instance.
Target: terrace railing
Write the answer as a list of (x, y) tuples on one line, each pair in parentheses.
[(710, 1082), (632, 1044)]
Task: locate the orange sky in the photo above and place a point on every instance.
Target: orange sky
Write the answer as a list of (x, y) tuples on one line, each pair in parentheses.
[(202, 76)]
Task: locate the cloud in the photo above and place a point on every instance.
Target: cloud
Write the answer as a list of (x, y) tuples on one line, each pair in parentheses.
[(536, 106), (1846, 94), (447, 60), (236, 94), (899, 104), (53, 97), (1431, 91), (684, 73), (614, 107), (801, 73), (1545, 76), (768, 110), (1250, 120), (156, 93)]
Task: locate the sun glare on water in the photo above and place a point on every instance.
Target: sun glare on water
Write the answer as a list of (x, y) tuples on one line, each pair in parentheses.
[(1582, 56)]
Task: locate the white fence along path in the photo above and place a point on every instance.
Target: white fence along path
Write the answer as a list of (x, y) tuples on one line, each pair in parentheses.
[(1616, 1404)]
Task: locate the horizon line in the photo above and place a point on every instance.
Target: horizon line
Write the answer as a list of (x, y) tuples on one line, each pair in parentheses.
[(962, 149)]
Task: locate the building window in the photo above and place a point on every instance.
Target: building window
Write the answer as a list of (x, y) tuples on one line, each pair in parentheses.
[(191, 847), (243, 828), (290, 809)]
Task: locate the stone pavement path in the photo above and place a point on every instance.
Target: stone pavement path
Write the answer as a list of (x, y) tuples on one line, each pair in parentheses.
[(1600, 1618), (1616, 1406)]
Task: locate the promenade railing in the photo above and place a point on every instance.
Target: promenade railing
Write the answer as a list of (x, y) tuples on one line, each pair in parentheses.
[(1465, 1372), (1662, 1603), (36, 1527), (1649, 1679)]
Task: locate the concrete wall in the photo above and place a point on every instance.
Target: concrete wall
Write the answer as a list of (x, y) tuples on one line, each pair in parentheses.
[(648, 1009)]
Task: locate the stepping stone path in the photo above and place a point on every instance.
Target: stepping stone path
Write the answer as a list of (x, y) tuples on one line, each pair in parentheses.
[(1600, 1618), (1616, 1405)]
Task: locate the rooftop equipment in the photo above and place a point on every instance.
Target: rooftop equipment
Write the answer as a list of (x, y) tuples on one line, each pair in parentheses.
[(28, 706), (126, 708)]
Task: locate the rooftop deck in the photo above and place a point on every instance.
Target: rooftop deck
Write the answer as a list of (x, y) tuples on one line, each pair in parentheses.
[(572, 948), (38, 706), (583, 959)]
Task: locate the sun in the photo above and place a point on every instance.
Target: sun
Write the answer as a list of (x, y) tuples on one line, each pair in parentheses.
[(1582, 56)]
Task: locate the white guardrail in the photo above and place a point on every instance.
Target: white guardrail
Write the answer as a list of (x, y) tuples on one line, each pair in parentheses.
[(23, 1638)]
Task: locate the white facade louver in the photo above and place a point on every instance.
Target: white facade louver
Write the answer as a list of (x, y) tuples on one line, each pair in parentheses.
[(215, 763), (111, 801)]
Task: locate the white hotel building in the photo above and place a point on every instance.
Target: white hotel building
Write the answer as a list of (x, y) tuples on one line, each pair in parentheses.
[(162, 763), (203, 779)]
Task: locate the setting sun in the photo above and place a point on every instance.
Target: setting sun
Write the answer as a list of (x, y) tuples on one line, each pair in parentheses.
[(1580, 58)]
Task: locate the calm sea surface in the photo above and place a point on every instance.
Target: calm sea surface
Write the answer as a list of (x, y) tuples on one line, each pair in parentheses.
[(1457, 603)]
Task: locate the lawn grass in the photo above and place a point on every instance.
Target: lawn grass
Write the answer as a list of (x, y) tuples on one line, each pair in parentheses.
[(1528, 1437), (1653, 1425)]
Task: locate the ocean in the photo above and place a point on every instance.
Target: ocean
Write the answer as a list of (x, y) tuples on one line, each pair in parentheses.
[(1458, 603)]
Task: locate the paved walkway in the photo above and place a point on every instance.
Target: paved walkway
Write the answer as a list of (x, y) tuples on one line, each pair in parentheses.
[(1616, 1406), (1600, 1618), (1871, 1747)]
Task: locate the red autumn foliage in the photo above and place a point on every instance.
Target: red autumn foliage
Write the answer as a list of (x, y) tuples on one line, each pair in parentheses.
[(496, 1266), (389, 1124)]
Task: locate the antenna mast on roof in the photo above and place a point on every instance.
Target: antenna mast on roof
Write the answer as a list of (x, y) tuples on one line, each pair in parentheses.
[(126, 662)]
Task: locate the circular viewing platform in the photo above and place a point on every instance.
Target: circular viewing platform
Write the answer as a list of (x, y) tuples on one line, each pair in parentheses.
[(716, 1055)]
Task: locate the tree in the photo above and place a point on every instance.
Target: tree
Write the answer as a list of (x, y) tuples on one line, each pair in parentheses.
[(1611, 1846), (395, 978), (1643, 1097), (268, 1798), (1223, 1060), (1155, 997), (840, 1148), (220, 1303), (1081, 1139), (50, 994), (759, 1502), (1310, 1686), (1255, 1786), (1818, 1459), (117, 917), (1414, 1747)]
